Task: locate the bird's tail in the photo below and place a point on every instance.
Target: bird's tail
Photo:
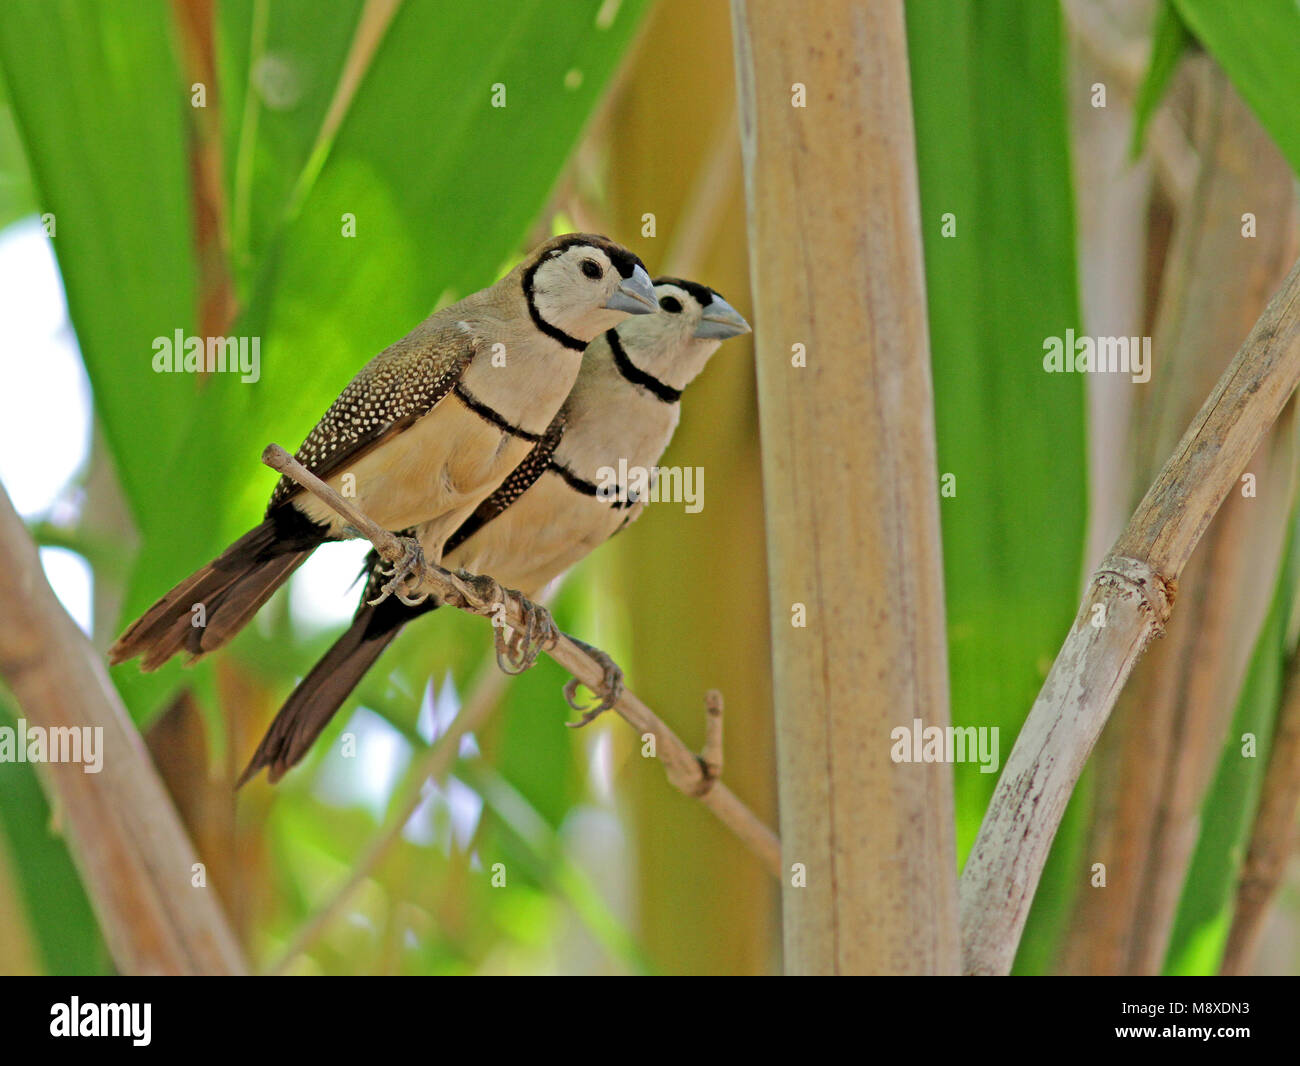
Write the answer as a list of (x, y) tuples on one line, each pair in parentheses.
[(321, 693), (209, 607)]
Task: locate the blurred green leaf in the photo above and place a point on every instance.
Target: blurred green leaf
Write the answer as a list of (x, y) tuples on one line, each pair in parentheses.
[(1169, 39), (17, 197), (539, 850), (107, 154), (57, 909), (993, 150), (279, 65), (1258, 46), (107, 151)]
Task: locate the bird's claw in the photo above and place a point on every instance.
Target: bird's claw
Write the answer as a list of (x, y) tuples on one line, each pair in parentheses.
[(519, 651), (404, 574), (611, 687)]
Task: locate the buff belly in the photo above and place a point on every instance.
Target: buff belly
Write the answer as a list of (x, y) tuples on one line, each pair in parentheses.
[(548, 529)]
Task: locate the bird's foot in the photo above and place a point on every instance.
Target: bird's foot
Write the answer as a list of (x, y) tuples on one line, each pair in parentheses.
[(611, 687), (403, 575), (518, 650)]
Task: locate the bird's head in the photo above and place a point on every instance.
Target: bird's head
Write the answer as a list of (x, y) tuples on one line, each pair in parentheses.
[(580, 285), (675, 344)]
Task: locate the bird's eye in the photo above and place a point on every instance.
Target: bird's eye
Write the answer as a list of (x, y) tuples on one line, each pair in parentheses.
[(592, 269), (670, 304)]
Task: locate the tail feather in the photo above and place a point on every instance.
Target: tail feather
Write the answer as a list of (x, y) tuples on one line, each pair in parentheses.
[(321, 693), (229, 590), (236, 604)]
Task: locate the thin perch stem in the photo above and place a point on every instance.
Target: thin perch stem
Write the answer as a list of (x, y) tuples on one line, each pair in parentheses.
[(686, 771)]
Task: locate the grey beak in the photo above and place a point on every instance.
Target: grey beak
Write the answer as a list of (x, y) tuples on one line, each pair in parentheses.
[(720, 321), (635, 295)]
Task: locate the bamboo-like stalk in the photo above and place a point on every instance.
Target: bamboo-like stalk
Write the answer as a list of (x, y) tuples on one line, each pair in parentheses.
[(1134, 589), (849, 477), (125, 837)]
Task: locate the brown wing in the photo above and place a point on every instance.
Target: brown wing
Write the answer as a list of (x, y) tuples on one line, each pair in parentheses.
[(401, 384)]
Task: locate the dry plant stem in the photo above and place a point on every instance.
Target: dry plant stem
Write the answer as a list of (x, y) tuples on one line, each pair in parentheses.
[(1134, 588), (1161, 745), (126, 839), (711, 753), (683, 767), (1272, 839), (1227, 284), (849, 459), (1114, 194)]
